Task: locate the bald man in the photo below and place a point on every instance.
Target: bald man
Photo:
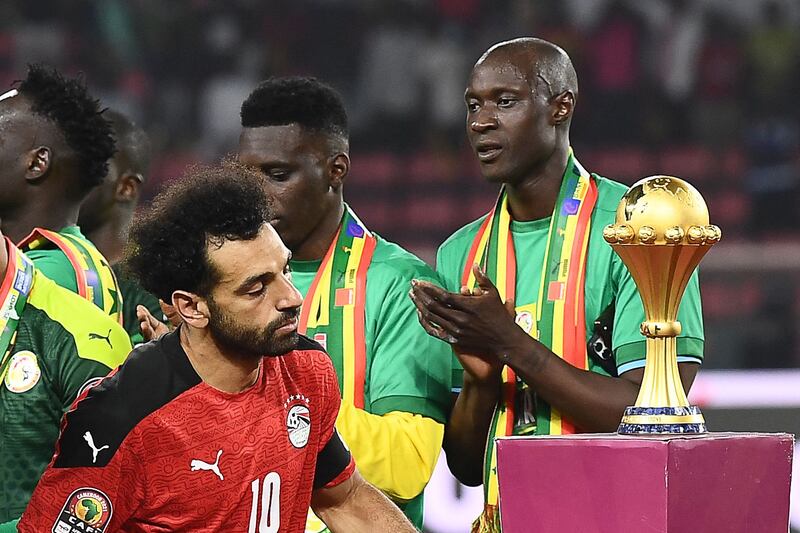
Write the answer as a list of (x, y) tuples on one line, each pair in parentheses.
[(542, 316)]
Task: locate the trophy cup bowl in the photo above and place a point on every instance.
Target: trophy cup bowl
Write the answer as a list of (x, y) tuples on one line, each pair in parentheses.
[(661, 233)]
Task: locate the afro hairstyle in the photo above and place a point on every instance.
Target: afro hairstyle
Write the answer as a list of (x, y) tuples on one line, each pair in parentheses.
[(210, 205)]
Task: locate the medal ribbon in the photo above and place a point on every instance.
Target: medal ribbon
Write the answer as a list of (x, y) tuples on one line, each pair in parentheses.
[(14, 291), (560, 310), (335, 304), (92, 271)]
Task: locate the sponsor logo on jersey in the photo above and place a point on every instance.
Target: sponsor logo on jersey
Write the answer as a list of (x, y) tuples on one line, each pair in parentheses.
[(199, 464), (10, 312), (87, 510), (298, 419), (95, 450), (22, 281), (23, 372), (106, 337)]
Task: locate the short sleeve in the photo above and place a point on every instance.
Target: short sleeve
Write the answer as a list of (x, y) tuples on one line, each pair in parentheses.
[(410, 370), (630, 345), (449, 266), (76, 495), (334, 461), (84, 364)]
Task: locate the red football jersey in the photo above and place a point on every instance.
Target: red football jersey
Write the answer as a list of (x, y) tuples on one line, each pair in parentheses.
[(153, 448)]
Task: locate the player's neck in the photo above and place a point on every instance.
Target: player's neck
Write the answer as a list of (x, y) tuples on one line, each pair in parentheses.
[(39, 212), (534, 198), (314, 247), (110, 236), (217, 368)]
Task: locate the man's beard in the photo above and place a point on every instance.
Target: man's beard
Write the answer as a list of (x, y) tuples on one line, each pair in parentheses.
[(251, 342)]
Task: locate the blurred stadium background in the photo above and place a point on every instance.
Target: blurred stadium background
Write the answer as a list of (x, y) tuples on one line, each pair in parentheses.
[(705, 90)]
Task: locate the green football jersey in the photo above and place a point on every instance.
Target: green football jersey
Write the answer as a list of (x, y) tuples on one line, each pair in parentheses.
[(407, 369), (63, 345), (607, 281), (75, 264), (133, 295)]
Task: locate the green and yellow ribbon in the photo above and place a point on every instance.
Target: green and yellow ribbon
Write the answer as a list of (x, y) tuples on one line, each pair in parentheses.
[(560, 311)]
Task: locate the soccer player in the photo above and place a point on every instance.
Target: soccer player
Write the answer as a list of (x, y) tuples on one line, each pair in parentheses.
[(394, 378), (227, 423), (56, 146), (106, 214), (542, 260), (53, 345)]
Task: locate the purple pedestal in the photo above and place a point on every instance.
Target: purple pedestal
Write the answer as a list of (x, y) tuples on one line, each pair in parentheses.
[(716, 482)]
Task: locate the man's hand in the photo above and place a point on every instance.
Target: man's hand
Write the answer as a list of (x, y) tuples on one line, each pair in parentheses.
[(478, 324), (151, 327), (171, 313)]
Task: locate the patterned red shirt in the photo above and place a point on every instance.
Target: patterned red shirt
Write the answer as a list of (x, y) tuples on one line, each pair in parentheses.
[(153, 449)]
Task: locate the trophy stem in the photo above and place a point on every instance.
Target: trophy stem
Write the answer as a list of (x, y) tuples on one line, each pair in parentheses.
[(661, 385), (662, 406)]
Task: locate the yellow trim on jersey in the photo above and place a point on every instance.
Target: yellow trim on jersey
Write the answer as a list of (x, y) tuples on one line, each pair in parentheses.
[(97, 336), (414, 441)]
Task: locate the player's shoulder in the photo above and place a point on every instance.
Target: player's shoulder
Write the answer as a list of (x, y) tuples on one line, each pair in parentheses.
[(609, 193), (396, 264), (313, 354), (154, 375), (461, 239), (96, 335)]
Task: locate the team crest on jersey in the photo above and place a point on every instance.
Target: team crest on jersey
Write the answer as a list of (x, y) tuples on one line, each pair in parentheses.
[(23, 372), (298, 420), (87, 510)]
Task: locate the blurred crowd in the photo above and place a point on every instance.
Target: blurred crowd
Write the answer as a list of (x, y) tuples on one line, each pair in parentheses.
[(705, 90)]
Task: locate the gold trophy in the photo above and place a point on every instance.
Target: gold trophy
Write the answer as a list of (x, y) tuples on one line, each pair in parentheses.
[(661, 233)]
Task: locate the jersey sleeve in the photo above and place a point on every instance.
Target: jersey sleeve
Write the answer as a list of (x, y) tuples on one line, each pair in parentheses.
[(76, 495), (449, 265), (410, 370), (83, 363), (334, 462), (630, 345)]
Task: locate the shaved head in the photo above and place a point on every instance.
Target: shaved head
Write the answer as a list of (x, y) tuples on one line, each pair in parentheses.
[(546, 66), (520, 97)]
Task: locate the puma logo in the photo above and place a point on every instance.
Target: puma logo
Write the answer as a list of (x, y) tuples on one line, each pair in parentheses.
[(90, 441), (106, 337), (197, 464)]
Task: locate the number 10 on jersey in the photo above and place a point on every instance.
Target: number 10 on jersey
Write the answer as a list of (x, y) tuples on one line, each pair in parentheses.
[(270, 499)]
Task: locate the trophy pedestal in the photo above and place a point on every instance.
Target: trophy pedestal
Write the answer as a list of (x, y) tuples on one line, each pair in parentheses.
[(597, 483)]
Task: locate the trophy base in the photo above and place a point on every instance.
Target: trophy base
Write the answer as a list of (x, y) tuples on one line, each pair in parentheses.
[(662, 420)]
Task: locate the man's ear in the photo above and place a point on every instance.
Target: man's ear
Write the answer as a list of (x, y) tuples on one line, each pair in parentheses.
[(193, 309), (564, 105), (338, 168), (39, 161), (127, 189)]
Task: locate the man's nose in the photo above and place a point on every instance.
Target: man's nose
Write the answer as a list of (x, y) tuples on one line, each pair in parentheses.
[(483, 120), (292, 299)]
